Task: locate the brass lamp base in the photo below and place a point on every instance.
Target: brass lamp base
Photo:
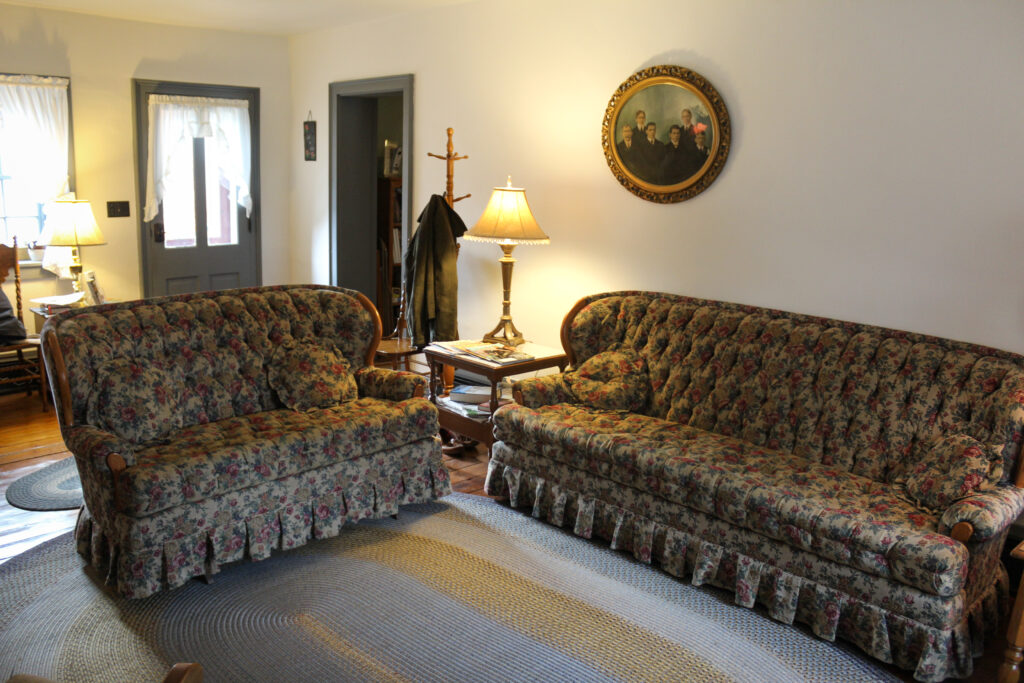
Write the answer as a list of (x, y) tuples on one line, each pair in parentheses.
[(505, 331)]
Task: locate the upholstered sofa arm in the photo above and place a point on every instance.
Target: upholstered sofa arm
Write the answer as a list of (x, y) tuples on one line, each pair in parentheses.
[(390, 385), (988, 512), (542, 391), (94, 445)]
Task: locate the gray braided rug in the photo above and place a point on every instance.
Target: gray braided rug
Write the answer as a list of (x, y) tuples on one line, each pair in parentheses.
[(54, 487), (459, 590)]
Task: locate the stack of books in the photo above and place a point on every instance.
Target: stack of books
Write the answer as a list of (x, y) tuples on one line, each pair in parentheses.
[(472, 400)]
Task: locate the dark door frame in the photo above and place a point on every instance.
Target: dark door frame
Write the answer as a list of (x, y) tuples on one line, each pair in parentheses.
[(142, 89), (368, 87)]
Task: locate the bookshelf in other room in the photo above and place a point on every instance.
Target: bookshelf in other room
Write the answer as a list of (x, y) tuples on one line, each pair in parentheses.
[(389, 250)]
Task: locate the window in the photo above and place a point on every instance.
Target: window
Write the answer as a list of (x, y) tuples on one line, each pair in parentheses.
[(199, 150), (35, 152)]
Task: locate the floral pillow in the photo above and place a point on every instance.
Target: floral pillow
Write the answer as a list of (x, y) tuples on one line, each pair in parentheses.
[(138, 401), (956, 466), (308, 375), (611, 380)]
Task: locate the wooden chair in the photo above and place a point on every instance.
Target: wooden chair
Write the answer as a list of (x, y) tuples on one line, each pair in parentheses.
[(21, 368)]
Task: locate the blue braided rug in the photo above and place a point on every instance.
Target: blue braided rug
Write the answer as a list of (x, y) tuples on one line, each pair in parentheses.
[(54, 487), (459, 590)]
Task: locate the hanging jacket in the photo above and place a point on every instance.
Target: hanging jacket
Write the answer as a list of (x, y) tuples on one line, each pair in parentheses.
[(432, 280)]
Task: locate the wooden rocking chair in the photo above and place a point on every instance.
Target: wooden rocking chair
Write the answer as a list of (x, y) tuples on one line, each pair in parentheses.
[(15, 364)]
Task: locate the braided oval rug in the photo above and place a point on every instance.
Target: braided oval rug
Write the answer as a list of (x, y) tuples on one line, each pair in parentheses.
[(54, 487), (463, 589)]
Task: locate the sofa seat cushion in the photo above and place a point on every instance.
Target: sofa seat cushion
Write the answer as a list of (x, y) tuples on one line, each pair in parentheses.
[(836, 514), (211, 459)]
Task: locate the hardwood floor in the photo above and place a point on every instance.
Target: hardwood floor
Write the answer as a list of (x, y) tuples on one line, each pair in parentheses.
[(30, 439)]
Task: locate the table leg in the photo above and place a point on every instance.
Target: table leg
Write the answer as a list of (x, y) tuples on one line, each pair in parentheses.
[(1009, 671), (432, 388)]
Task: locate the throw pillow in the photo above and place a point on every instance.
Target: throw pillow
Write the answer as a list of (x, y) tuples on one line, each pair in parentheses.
[(137, 401), (308, 375), (956, 466), (611, 380)]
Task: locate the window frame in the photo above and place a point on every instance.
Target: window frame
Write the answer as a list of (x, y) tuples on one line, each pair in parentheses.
[(71, 163)]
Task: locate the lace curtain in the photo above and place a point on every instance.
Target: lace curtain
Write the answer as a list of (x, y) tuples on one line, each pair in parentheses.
[(174, 121), (34, 137)]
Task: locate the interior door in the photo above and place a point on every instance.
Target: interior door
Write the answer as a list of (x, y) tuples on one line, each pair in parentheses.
[(356, 237), (200, 239)]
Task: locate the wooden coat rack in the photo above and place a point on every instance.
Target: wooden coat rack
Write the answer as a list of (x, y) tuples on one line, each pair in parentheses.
[(451, 157), (397, 346)]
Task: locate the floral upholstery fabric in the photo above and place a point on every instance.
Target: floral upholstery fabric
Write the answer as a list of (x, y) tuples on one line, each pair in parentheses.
[(934, 636), (990, 512), (391, 385), (164, 550), (213, 459), (233, 472), (611, 380), (776, 457), (954, 468), (221, 341), (137, 402), (309, 375), (542, 391), (865, 399), (838, 515)]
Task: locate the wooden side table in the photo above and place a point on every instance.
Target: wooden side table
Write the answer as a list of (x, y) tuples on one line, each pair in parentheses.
[(479, 429), (1009, 671)]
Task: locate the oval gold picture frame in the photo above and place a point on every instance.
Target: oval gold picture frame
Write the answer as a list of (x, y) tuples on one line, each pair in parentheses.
[(672, 166)]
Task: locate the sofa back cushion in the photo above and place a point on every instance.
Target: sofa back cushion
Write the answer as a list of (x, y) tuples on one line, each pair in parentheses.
[(611, 380), (137, 401), (866, 399), (218, 343)]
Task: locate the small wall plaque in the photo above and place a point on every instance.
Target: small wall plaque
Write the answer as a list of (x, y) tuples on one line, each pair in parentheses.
[(309, 139)]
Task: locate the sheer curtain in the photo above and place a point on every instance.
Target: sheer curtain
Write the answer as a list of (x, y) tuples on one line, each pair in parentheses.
[(174, 121), (34, 137)]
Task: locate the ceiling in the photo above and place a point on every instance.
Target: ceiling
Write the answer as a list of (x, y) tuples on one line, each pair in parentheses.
[(278, 17)]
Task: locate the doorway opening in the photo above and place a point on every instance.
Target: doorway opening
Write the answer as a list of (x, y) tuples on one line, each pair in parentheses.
[(371, 172)]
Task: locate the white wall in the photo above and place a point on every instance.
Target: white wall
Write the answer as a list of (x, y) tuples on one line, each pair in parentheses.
[(102, 56), (876, 170)]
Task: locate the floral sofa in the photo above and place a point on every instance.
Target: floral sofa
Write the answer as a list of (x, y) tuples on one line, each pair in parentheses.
[(212, 427), (857, 479)]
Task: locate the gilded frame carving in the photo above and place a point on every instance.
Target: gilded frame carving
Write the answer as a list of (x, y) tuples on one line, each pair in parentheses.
[(670, 167)]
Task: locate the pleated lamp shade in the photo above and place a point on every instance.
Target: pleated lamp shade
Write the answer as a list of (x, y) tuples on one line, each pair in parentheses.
[(71, 223), (507, 219)]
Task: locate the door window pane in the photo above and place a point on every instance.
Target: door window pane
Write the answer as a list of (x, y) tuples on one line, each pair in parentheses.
[(221, 201), (179, 204)]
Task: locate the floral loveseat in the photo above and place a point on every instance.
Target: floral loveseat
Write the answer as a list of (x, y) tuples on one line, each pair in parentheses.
[(212, 427), (857, 479)]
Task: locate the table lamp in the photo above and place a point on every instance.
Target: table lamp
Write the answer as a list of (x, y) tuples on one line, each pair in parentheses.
[(71, 223), (508, 221)]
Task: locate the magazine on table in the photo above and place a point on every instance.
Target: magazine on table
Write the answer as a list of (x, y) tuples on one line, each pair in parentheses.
[(499, 354)]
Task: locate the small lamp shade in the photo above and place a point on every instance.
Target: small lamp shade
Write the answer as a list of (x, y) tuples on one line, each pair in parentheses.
[(507, 219), (71, 223)]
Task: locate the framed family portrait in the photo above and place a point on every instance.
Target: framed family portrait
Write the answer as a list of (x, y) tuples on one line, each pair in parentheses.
[(666, 134)]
